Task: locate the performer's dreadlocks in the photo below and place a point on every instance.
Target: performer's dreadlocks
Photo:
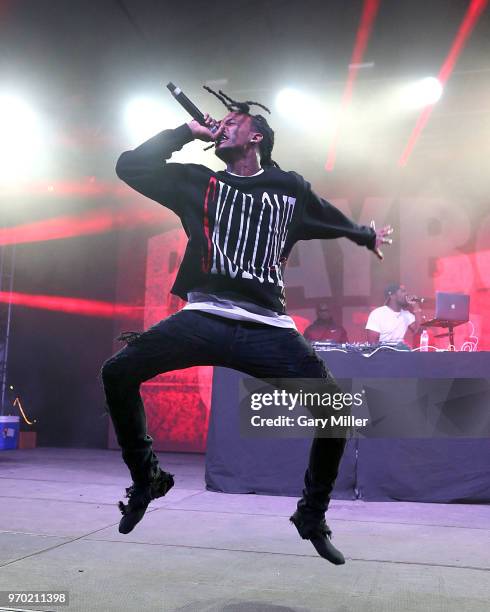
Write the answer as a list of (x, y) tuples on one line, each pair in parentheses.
[(259, 122)]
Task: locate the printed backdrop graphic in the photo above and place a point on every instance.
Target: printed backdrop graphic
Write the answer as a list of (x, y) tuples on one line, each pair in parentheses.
[(439, 246), (177, 403)]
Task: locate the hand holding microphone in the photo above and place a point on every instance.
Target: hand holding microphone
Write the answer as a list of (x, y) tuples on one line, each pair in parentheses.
[(206, 132), (414, 301), (202, 126)]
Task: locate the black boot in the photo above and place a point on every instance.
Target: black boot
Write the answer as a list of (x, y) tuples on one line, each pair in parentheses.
[(140, 495), (315, 529)]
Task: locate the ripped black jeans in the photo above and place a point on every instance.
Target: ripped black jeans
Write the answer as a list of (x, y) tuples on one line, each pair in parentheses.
[(191, 338)]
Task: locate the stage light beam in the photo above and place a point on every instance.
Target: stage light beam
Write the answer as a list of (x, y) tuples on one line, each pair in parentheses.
[(145, 117), (89, 223), (298, 106), (69, 305), (475, 9), (21, 141), (368, 17), (424, 92)]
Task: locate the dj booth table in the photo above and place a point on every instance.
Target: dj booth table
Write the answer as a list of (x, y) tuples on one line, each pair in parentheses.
[(376, 469)]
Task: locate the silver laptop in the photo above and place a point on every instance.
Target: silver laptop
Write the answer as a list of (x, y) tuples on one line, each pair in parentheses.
[(453, 307)]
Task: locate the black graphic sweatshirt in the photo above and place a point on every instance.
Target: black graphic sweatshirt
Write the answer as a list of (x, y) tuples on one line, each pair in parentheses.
[(241, 229)]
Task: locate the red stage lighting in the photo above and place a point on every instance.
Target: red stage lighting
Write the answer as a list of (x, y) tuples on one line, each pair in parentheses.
[(472, 15), (78, 306), (93, 222), (369, 11)]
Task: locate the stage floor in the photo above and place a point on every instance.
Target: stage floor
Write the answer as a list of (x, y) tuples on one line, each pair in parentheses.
[(201, 551)]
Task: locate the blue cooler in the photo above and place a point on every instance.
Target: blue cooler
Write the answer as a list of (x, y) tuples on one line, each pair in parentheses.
[(9, 432)]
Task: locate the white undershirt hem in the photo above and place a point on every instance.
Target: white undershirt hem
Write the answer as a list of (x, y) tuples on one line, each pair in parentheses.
[(240, 314)]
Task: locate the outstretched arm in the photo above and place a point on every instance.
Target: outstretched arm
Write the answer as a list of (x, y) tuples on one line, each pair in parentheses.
[(321, 219)]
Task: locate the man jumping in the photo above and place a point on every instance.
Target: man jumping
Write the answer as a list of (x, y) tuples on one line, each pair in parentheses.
[(241, 225)]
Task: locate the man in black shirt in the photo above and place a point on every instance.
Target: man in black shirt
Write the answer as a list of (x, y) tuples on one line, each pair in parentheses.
[(242, 224)]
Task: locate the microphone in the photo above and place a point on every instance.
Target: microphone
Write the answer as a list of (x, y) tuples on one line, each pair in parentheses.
[(187, 105), (414, 298)]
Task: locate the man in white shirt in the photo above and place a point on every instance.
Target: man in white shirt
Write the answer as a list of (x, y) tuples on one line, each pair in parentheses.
[(389, 323)]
